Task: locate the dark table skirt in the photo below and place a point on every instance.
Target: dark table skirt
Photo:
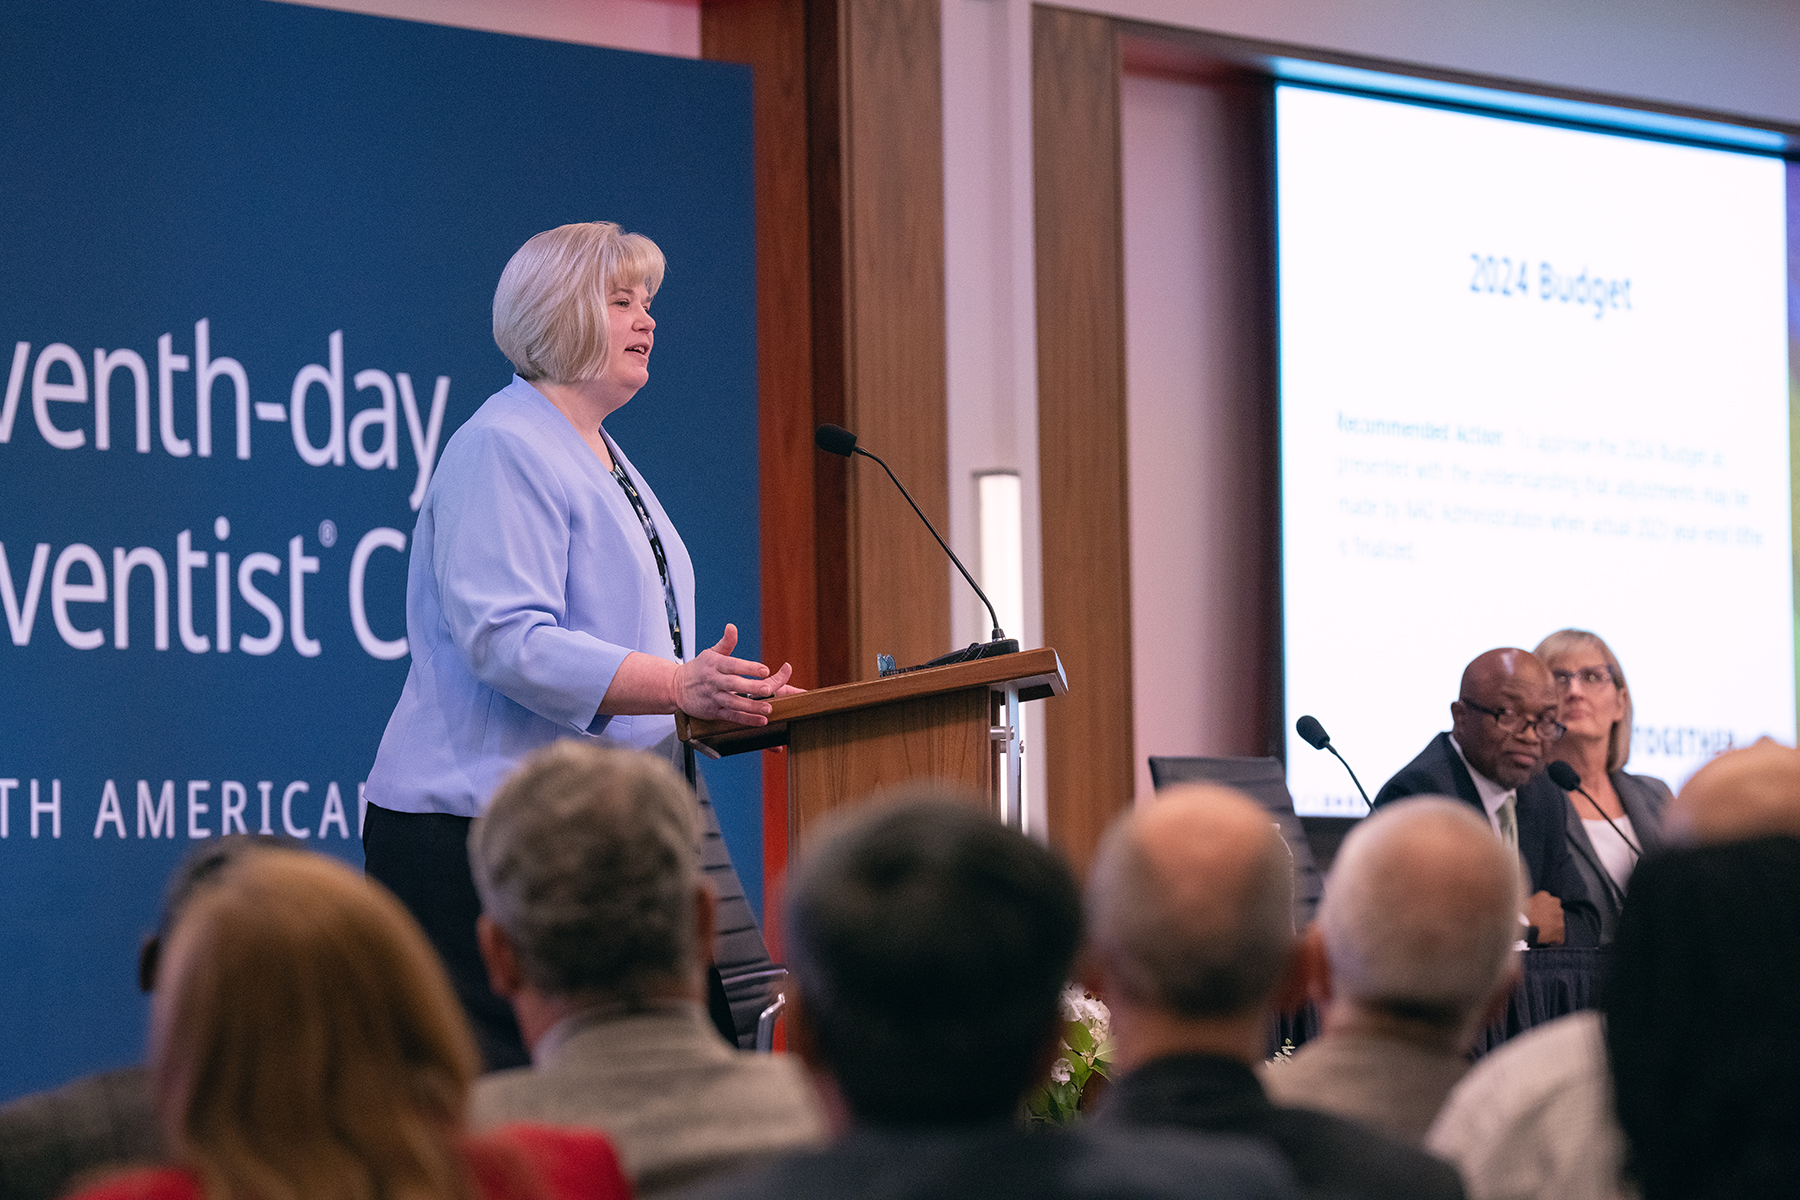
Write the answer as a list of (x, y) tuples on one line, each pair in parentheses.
[(1558, 980)]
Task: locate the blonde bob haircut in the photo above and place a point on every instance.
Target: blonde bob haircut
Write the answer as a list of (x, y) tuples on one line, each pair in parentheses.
[(1567, 641), (305, 1042), (550, 307)]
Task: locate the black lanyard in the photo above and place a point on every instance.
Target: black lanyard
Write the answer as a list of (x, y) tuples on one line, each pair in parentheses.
[(656, 548)]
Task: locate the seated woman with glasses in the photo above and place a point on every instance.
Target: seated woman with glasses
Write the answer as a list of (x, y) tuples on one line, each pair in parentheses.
[(1613, 818)]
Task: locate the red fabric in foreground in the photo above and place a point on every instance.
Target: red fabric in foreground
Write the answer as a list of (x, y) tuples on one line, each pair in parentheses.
[(517, 1162)]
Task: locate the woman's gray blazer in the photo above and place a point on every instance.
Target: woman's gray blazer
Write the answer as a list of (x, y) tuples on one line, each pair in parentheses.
[(1645, 797)]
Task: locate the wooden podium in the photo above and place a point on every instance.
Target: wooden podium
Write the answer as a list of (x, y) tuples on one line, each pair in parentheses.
[(958, 723)]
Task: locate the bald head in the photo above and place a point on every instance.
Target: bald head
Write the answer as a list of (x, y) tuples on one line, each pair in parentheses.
[(1742, 794), (1421, 911), (1495, 668), (1189, 904), (1501, 691)]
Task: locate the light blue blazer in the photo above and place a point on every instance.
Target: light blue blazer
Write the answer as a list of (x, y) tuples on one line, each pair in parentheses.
[(530, 580)]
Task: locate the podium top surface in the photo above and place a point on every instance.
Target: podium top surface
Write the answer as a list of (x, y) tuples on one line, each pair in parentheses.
[(1037, 671)]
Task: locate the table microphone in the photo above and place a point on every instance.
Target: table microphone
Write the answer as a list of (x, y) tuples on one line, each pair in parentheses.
[(1569, 780), (835, 439), (1314, 735)]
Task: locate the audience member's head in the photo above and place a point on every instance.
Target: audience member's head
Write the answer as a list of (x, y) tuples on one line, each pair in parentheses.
[(1420, 915), (929, 944), (1702, 1000), (585, 862), (196, 872), (1189, 907), (1507, 699), (305, 1043), (1741, 794)]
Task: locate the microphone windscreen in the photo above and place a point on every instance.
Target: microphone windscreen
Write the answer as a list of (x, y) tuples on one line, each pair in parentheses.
[(835, 439), (1313, 732), (1563, 775)]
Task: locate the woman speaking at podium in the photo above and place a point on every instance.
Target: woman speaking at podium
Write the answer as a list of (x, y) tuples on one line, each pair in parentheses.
[(548, 594)]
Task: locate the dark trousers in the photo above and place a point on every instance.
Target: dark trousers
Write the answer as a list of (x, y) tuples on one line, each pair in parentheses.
[(423, 858)]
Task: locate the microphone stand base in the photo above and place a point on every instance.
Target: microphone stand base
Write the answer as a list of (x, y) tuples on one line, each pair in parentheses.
[(969, 653), (977, 650)]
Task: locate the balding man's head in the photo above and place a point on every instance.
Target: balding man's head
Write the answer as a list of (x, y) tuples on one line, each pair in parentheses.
[(1742, 794), (1505, 693), (1189, 904), (1421, 911)]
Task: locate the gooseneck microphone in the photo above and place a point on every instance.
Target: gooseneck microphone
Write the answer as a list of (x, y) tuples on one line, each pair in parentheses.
[(1565, 777), (835, 439), (1312, 732), (1314, 735), (1569, 780)]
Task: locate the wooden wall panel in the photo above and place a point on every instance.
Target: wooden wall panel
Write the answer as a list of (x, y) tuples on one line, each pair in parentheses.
[(1082, 450), (848, 127), (896, 389), (771, 36), (827, 189), (850, 288)]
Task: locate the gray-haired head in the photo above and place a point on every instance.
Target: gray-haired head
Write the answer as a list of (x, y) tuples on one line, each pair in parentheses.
[(1190, 904), (586, 858), (1421, 912)]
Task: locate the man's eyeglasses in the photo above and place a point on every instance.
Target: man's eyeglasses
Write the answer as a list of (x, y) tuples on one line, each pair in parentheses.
[(1548, 728), (1589, 676)]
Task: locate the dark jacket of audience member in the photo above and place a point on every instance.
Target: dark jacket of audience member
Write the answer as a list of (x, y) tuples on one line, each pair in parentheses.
[(1192, 938), (49, 1140), (929, 945), (1702, 1001)]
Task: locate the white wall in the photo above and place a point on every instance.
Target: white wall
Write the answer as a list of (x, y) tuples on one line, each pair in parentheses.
[(1194, 567), (1736, 56), (990, 307)]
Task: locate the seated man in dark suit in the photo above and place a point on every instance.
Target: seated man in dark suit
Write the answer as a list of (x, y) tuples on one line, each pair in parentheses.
[(1501, 726), (1192, 939), (929, 945)]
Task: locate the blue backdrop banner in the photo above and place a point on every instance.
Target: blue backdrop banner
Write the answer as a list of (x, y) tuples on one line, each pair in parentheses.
[(249, 256)]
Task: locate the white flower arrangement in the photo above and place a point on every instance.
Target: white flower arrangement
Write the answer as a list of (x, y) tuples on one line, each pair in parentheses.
[(1086, 1051)]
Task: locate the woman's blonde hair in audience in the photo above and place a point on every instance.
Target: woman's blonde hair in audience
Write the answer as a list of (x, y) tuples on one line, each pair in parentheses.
[(306, 1043)]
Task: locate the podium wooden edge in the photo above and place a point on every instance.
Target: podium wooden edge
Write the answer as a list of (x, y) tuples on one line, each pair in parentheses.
[(1037, 674)]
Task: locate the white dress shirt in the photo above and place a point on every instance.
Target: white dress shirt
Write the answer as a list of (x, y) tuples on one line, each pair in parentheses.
[(1492, 794)]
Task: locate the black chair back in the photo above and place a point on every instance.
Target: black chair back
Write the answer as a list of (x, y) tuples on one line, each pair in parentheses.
[(1263, 780)]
